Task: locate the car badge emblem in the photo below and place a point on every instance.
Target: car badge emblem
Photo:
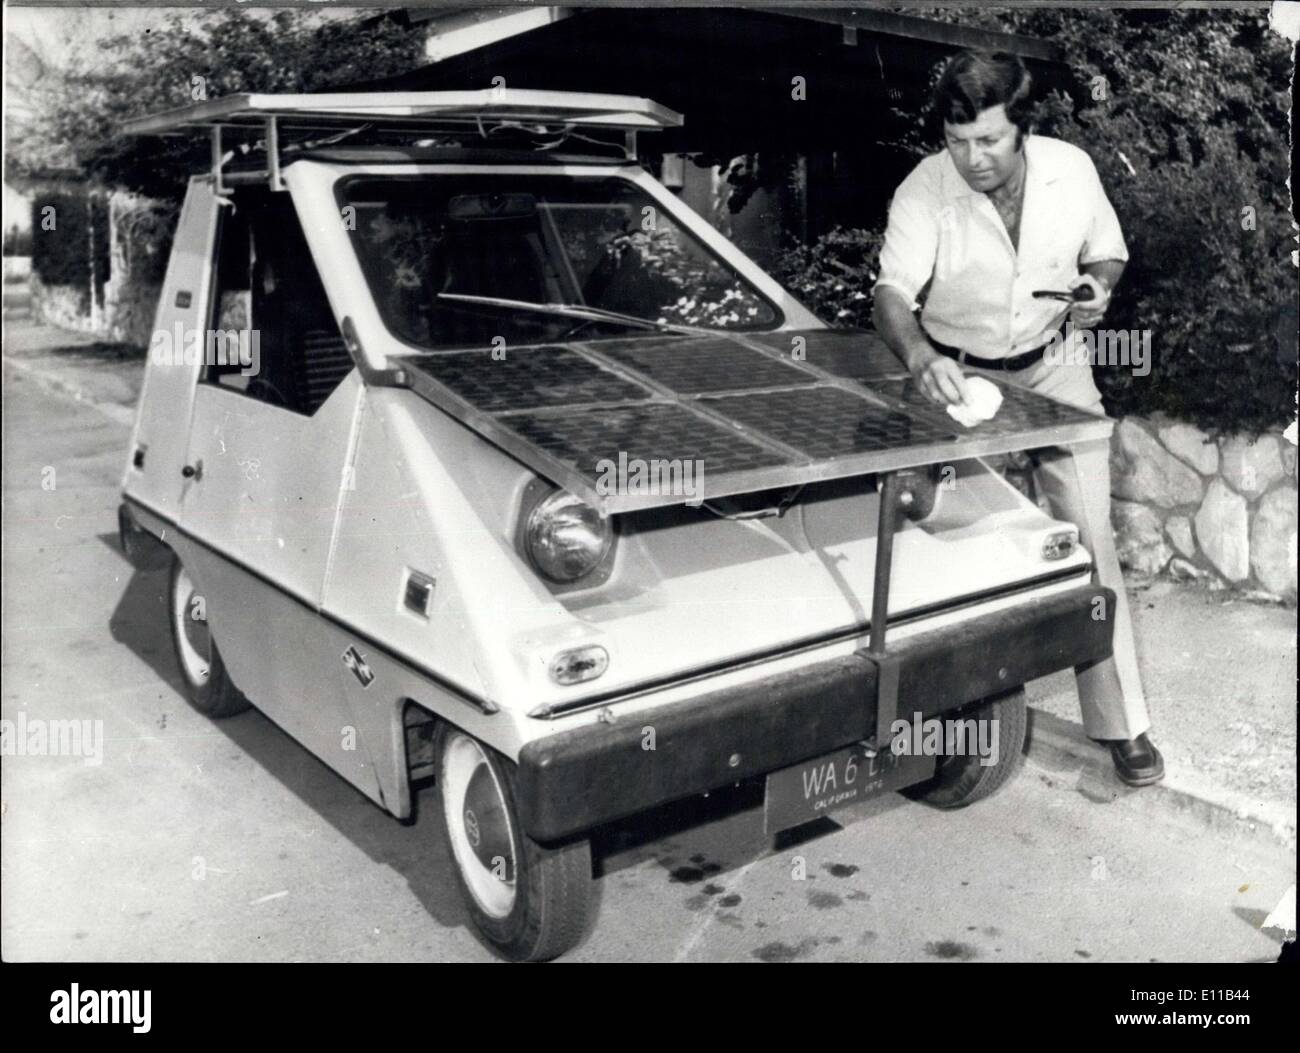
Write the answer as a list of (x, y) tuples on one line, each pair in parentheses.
[(353, 660)]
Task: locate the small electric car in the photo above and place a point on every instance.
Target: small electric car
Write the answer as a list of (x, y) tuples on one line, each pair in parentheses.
[(475, 455)]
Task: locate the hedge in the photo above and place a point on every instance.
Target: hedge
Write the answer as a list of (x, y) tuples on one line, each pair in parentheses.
[(1185, 114), (1219, 298), (69, 229)]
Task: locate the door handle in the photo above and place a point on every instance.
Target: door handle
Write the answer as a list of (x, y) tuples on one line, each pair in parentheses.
[(193, 471)]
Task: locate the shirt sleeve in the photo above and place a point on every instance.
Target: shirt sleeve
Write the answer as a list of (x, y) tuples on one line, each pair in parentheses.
[(911, 245), (1105, 240)]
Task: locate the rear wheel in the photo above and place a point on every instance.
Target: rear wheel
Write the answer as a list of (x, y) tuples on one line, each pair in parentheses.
[(531, 902), (962, 779), (208, 687)]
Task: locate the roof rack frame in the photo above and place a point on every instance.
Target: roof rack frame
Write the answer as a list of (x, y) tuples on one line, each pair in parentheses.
[(272, 172), (428, 112), (274, 166)]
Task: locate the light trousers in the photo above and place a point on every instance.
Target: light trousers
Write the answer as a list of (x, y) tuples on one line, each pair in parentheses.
[(1076, 483)]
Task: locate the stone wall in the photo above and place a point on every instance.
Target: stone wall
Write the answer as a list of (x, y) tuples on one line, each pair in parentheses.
[(62, 306), (1196, 507), (140, 233)]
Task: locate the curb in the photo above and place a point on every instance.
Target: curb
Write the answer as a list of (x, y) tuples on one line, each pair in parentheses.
[(1060, 747), (117, 414)]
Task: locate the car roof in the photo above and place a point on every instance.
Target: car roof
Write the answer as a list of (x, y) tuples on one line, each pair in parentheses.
[(381, 154), (425, 110), (284, 128)]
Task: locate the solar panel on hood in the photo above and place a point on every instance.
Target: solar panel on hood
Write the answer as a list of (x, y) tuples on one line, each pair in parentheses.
[(1021, 410), (851, 354), (823, 422), (662, 431), (709, 364), (526, 378), (742, 410)]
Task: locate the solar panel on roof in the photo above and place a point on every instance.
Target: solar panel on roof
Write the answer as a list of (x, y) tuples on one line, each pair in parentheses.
[(589, 109)]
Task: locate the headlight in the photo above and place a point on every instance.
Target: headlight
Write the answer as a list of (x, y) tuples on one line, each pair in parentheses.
[(565, 538)]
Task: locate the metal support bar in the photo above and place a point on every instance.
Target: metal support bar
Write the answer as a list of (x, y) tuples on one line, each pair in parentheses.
[(887, 680), (218, 155), (884, 559), (273, 152), (629, 145), (888, 672)]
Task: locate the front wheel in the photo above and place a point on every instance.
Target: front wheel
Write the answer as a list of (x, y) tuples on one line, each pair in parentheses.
[(963, 779), (208, 687), (531, 902)]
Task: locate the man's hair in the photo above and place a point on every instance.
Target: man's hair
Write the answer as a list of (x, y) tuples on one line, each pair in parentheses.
[(973, 81)]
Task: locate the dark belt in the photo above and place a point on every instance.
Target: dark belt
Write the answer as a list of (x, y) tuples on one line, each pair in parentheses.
[(1021, 361)]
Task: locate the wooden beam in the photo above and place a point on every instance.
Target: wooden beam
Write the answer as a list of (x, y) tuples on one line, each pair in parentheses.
[(884, 22)]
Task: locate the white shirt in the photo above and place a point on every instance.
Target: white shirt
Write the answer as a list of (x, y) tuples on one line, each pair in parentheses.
[(944, 235)]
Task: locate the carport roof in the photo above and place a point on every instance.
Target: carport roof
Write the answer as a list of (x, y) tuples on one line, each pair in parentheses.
[(730, 71), (884, 23)]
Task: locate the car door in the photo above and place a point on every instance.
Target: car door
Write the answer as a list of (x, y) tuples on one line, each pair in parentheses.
[(269, 446), (158, 446)]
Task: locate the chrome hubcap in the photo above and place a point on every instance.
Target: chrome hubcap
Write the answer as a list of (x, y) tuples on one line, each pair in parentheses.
[(190, 614), (478, 823)]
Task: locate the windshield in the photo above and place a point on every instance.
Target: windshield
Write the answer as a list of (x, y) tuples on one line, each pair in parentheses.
[(467, 260)]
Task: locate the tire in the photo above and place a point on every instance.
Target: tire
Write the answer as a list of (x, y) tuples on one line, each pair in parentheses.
[(529, 902), (962, 780), (142, 550), (208, 687)]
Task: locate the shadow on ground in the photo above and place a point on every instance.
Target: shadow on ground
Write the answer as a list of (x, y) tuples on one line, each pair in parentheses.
[(99, 351), (673, 836)]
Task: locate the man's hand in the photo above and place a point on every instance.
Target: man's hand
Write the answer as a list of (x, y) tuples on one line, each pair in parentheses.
[(1087, 313), (941, 381)]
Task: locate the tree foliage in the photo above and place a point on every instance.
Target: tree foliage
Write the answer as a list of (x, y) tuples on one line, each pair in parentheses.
[(1185, 114), (1174, 77), (833, 276), (79, 104)]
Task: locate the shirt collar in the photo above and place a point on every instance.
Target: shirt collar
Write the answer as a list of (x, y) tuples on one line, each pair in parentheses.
[(1039, 171)]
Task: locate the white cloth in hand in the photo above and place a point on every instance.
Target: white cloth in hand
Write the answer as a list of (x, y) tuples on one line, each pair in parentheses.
[(982, 401)]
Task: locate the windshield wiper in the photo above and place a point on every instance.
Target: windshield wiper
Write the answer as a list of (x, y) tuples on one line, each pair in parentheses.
[(569, 310)]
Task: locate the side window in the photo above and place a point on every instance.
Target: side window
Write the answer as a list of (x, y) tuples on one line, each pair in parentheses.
[(273, 335), (228, 347)]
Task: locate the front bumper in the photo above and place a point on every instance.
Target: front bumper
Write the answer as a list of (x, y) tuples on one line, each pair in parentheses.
[(579, 779)]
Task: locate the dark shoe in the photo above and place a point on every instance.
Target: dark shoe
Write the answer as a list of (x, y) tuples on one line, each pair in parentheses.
[(1137, 761)]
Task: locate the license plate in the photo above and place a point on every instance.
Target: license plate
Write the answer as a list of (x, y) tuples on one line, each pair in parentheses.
[(807, 791)]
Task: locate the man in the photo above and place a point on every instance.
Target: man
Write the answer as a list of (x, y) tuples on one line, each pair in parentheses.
[(973, 230)]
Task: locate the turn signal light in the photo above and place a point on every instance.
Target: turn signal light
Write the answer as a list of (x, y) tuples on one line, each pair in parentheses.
[(1059, 544), (579, 664)]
